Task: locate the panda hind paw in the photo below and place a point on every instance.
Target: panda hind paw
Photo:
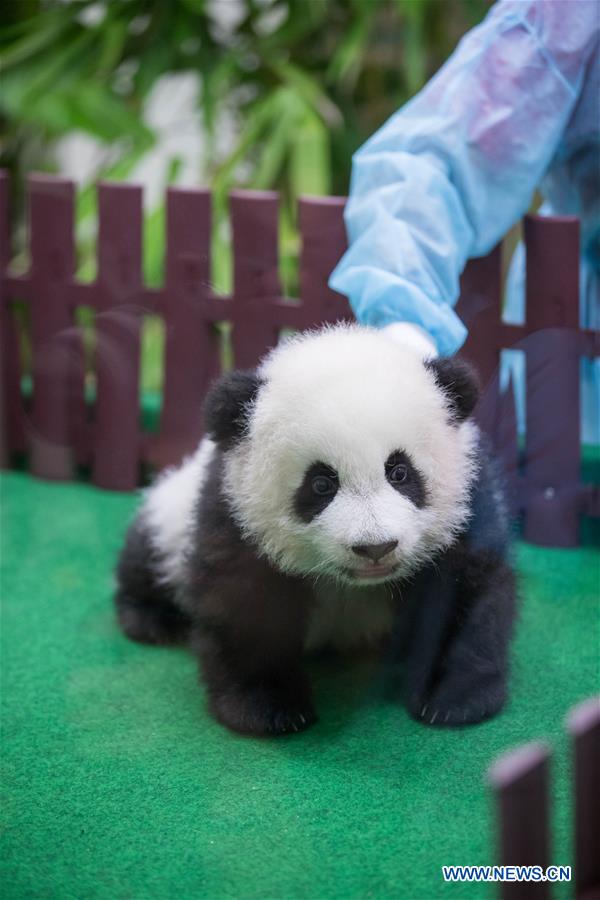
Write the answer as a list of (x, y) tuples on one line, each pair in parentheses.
[(261, 714), (472, 711)]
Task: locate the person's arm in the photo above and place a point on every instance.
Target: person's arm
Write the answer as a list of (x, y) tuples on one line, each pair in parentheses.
[(448, 174)]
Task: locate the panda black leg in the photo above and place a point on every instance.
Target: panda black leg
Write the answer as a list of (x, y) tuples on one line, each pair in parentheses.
[(249, 639), (266, 700), (145, 606), (470, 685), (464, 681)]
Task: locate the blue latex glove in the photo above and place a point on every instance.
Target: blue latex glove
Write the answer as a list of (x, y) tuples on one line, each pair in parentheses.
[(447, 176)]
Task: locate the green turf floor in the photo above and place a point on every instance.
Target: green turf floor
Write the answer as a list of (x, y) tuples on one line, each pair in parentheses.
[(118, 785)]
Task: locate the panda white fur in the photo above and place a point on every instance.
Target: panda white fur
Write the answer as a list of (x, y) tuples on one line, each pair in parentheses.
[(343, 495)]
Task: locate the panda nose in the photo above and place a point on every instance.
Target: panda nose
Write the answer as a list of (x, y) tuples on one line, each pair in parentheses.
[(375, 551)]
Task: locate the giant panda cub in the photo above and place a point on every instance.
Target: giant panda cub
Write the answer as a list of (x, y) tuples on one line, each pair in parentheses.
[(343, 495)]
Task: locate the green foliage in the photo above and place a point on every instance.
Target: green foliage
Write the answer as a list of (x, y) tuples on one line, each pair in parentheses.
[(308, 79)]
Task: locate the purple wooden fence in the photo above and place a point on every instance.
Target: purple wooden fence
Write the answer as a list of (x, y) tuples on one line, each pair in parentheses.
[(520, 780), (59, 431)]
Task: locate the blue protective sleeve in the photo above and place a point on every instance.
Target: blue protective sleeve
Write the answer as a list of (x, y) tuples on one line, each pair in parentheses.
[(448, 174)]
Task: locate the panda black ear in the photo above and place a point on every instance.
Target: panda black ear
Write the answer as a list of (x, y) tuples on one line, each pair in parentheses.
[(226, 405), (459, 382)]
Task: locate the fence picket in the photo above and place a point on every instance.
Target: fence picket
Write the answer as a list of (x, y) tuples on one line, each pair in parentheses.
[(520, 780), (118, 319), (552, 381), (584, 728), (321, 221), (191, 342), (12, 435), (480, 308), (256, 284), (55, 341)]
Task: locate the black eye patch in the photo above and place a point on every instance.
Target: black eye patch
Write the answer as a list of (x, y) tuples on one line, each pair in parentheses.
[(319, 486), (405, 478)]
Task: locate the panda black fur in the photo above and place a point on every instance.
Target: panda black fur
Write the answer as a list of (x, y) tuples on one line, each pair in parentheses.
[(343, 496)]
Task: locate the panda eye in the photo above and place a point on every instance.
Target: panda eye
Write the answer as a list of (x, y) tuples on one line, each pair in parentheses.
[(405, 478), (323, 486), (398, 474)]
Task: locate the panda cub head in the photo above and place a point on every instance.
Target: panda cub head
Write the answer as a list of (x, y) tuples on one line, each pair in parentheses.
[(345, 455)]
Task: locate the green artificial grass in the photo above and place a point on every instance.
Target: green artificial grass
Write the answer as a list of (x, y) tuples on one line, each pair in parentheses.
[(118, 785)]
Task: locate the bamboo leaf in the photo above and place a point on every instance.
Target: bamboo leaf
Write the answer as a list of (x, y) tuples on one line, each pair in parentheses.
[(310, 89), (310, 169), (215, 86), (44, 32), (304, 17), (414, 44), (87, 107), (256, 121), (59, 63), (348, 59), (111, 51), (151, 65), (277, 142), (197, 7)]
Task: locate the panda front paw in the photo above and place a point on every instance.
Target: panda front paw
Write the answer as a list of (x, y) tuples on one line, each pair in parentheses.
[(439, 710), (262, 712), (440, 717)]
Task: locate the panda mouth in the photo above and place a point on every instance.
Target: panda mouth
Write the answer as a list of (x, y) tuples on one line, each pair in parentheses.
[(374, 571)]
